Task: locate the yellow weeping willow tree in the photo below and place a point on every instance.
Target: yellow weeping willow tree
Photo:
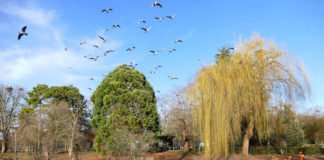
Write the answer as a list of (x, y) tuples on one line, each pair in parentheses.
[(233, 95)]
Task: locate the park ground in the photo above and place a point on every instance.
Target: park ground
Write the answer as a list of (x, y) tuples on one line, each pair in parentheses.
[(170, 155)]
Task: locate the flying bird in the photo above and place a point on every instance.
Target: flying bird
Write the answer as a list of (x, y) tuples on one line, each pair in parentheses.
[(130, 49), (82, 43), (94, 58), (109, 51), (157, 67), (154, 52), (178, 41), (152, 72), (116, 26), (171, 17), (96, 46), (105, 30), (132, 64), (102, 38), (90, 89), (107, 10), (22, 32), (141, 21), (91, 78), (172, 50), (159, 19), (146, 29), (157, 4), (172, 78)]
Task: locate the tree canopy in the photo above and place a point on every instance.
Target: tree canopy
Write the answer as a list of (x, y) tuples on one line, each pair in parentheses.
[(124, 98), (44, 96)]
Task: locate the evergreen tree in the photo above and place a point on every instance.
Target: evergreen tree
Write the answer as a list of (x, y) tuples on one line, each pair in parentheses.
[(123, 99)]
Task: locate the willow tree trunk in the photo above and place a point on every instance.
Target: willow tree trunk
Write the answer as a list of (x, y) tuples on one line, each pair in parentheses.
[(246, 139)]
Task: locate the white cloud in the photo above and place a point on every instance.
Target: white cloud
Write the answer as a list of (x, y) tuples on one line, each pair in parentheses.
[(37, 62), (32, 15), (44, 60)]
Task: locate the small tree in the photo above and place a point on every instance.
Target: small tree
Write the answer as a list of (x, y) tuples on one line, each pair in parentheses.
[(285, 127), (313, 124), (127, 143)]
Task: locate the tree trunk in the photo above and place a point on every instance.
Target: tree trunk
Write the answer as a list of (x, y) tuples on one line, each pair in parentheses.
[(246, 138), (4, 143), (185, 142), (71, 146)]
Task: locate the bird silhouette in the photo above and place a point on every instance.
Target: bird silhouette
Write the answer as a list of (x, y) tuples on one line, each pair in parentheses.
[(172, 78), (109, 51), (157, 4), (82, 43), (102, 38), (22, 32), (132, 64), (172, 50), (154, 52), (96, 46), (157, 67), (171, 17), (141, 21), (94, 58), (105, 30), (91, 78), (66, 49), (116, 26), (178, 41), (107, 10), (152, 72), (159, 19), (146, 29), (130, 49)]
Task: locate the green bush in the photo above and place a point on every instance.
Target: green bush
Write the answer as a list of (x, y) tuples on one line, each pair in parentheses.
[(309, 150), (313, 150)]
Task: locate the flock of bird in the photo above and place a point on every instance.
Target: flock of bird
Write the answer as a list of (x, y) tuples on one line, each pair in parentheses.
[(156, 4)]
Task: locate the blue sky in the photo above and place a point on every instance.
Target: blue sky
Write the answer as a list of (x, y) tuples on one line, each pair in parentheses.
[(295, 25)]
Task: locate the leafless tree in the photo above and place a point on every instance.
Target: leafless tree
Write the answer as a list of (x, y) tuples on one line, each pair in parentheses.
[(11, 99), (176, 112)]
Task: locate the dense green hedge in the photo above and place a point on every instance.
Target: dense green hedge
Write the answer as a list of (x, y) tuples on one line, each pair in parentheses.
[(311, 150)]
